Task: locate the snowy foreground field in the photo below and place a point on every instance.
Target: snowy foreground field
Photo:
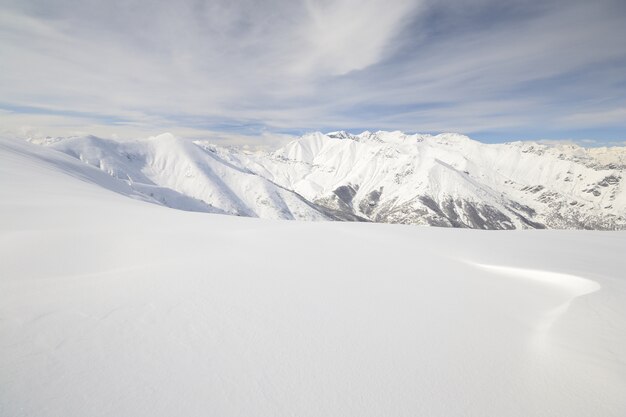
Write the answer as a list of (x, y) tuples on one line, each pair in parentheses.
[(112, 306)]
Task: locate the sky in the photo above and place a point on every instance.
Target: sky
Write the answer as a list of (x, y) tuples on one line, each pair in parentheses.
[(263, 70)]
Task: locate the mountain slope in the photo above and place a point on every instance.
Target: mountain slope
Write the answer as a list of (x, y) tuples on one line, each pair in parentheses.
[(389, 177), (450, 180), (163, 163)]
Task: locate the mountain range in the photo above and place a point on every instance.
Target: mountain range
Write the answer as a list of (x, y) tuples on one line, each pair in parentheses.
[(444, 180)]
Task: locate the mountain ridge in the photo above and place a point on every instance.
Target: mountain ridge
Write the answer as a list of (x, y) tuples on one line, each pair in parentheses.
[(445, 180)]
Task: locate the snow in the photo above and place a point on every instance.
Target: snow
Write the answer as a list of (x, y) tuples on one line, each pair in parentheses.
[(113, 306), (164, 166), (557, 187), (388, 177)]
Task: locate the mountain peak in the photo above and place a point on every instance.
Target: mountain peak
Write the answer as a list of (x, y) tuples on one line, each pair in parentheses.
[(340, 134)]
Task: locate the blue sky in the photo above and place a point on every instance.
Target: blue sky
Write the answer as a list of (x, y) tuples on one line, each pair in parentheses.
[(494, 70)]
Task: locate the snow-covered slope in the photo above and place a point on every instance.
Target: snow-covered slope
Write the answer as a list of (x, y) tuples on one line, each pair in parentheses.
[(389, 177), (451, 180), (164, 165), (110, 306)]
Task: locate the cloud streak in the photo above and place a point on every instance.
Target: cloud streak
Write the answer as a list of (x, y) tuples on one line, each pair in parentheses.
[(480, 67)]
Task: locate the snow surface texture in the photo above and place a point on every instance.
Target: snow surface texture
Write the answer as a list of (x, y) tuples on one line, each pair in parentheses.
[(111, 306), (389, 177)]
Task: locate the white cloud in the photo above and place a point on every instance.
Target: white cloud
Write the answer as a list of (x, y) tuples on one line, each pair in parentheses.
[(343, 36), (597, 118), (298, 65)]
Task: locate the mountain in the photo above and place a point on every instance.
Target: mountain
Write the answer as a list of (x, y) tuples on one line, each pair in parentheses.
[(390, 177), (180, 174)]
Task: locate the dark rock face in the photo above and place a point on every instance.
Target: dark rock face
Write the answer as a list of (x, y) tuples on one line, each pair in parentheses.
[(346, 193), (609, 180), (369, 203), (468, 214)]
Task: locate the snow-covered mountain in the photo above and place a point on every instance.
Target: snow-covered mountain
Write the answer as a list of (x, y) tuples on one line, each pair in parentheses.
[(180, 174), (391, 177), (112, 307)]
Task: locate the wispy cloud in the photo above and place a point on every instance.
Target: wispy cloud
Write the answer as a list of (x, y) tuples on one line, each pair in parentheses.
[(243, 67), (598, 118), (338, 37)]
